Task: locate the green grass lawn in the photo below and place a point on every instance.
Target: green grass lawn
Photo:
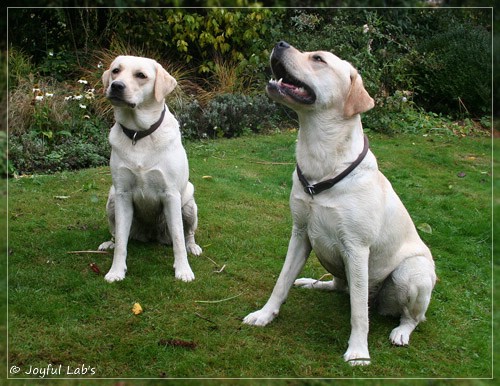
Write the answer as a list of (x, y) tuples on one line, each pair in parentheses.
[(63, 313)]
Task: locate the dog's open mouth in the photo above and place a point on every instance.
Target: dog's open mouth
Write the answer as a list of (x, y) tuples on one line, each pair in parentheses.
[(287, 85)]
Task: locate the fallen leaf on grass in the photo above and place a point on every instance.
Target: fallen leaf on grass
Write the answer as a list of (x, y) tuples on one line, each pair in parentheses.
[(61, 197), (177, 343), (137, 309), (95, 268), (424, 227), (207, 177)]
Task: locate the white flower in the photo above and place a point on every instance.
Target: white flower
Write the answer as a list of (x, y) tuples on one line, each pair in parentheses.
[(49, 94), (366, 29), (35, 89), (100, 65), (68, 98), (404, 99), (82, 81), (77, 97), (39, 98), (83, 106), (51, 53)]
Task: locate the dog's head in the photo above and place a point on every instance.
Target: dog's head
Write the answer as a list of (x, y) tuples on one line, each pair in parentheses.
[(132, 81), (316, 80)]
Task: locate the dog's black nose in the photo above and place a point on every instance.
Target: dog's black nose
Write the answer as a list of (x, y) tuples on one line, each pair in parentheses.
[(117, 86), (282, 45)]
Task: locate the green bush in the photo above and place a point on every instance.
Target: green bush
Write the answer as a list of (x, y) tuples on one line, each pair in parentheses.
[(455, 71), (443, 57), (229, 115), (29, 153)]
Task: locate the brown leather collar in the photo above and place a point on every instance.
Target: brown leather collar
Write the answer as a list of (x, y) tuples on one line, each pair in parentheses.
[(137, 135), (327, 184)]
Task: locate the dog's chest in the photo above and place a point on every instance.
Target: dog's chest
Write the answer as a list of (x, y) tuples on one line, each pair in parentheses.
[(325, 237)]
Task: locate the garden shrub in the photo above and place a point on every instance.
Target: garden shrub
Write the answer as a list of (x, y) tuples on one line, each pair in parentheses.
[(455, 71), (29, 153), (228, 115), (55, 126)]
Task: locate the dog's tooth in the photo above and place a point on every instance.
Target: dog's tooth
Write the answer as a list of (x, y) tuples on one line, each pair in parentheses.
[(280, 81)]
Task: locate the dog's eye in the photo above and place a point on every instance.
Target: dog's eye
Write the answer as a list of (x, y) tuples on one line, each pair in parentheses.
[(318, 58), (141, 75), (116, 71)]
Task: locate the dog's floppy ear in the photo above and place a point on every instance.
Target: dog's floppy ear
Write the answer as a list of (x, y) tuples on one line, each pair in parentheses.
[(164, 83), (105, 79), (358, 100)]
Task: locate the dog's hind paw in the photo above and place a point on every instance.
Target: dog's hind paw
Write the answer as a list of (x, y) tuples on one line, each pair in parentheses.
[(315, 284), (106, 245), (305, 282), (194, 249), (400, 336)]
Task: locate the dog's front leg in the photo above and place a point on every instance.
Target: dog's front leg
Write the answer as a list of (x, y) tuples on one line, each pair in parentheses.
[(356, 263), (124, 213), (299, 249), (172, 206)]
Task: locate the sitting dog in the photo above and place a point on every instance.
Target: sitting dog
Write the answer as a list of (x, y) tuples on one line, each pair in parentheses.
[(151, 197), (342, 206)]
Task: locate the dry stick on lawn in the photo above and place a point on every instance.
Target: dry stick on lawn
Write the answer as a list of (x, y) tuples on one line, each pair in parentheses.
[(218, 301), (271, 163), (99, 252), (216, 265)]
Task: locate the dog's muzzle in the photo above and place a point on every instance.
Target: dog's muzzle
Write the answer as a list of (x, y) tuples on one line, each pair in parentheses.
[(284, 83), (116, 94)]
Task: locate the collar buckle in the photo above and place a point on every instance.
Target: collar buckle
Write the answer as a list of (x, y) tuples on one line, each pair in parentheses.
[(309, 189)]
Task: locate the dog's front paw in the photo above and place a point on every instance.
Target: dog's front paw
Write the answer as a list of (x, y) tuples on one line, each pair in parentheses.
[(115, 275), (185, 274), (194, 249), (357, 357), (106, 245), (259, 318)]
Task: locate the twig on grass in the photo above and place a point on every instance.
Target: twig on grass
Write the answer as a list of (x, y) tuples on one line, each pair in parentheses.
[(216, 265), (99, 252), (322, 277), (217, 301), (271, 163), (202, 317)]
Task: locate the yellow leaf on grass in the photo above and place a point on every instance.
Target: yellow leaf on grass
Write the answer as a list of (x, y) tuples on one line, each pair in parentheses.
[(137, 309), (424, 227)]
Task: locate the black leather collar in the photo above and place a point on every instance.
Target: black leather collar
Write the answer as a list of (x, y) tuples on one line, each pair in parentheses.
[(137, 135), (324, 185)]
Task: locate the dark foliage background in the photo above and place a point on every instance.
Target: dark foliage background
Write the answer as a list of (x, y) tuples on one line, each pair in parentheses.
[(420, 64)]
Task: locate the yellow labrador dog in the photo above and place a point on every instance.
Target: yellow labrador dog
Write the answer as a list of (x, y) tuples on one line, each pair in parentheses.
[(151, 197), (342, 206)]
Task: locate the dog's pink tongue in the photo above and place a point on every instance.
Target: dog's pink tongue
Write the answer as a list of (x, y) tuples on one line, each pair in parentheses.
[(296, 90)]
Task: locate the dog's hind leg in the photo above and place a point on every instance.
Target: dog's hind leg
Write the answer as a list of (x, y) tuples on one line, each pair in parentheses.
[(407, 292), (190, 221)]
